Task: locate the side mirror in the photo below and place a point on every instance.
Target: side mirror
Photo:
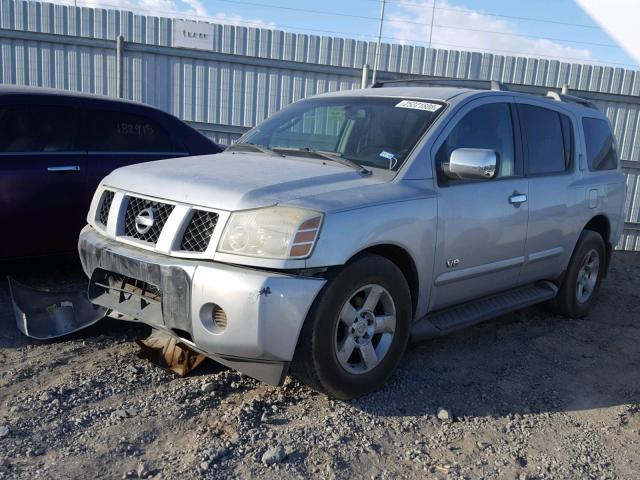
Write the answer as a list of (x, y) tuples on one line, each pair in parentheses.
[(471, 164)]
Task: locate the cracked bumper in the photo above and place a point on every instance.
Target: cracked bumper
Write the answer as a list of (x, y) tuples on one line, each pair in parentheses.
[(264, 310)]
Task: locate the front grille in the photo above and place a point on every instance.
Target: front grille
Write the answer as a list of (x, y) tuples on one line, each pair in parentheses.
[(161, 212), (105, 206), (198, 233)]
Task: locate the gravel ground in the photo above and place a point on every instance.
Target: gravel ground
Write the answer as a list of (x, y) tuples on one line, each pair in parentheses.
[(525, 396)]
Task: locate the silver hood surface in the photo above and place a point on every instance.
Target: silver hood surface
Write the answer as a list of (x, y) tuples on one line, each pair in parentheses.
[(237, 180)]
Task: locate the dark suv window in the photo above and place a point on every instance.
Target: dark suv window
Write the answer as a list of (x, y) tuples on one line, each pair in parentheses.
[(37, 128), (113, 131), (549, 139), (488, 126), (601, 152)]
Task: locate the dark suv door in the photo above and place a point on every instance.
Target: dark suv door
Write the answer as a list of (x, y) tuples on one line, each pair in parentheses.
[(42, 178)]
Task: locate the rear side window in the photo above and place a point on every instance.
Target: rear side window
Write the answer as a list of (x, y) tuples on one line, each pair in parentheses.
[(37, 128), (601, 152), (113, 131), (549, 140)]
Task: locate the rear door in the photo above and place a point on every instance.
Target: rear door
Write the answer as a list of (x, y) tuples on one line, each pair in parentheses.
[(121, 135), (482, 224), (42, 178), (556, 190)]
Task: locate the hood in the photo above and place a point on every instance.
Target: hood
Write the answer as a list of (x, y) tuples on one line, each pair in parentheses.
[(238, 180)]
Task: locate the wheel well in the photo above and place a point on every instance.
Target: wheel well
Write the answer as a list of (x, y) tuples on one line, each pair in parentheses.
[(600, 224), (401, 258)]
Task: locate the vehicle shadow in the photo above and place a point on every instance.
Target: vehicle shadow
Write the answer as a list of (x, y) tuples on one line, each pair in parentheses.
[(529, 361)]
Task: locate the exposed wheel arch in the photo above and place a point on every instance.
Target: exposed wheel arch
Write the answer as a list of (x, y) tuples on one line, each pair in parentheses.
[(404, 261), (601, 225)]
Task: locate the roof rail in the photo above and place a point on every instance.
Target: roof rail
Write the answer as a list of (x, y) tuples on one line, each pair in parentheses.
[(563, 96), (447, 82)]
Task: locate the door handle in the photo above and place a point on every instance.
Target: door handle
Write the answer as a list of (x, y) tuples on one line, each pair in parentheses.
[(64, 168), (517, 198)]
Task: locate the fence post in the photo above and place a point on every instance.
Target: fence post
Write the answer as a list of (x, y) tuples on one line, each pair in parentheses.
[(365, 75), (119, 49)]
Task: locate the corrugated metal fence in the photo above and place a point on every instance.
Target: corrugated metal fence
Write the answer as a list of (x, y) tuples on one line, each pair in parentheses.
[(251, 73)]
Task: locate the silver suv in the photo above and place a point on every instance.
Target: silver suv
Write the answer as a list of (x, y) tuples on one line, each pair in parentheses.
[(348, 223)]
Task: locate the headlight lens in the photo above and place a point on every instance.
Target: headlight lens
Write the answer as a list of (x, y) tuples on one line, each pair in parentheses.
[(273, 232)]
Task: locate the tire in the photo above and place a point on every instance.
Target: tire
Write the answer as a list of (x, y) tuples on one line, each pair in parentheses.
[(322, 359), (581, 281)]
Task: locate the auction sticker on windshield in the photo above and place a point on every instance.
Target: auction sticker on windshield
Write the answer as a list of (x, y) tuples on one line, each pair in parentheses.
[(429, 107)]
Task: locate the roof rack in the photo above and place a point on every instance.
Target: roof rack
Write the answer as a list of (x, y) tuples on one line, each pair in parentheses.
[(494, 85), (563, 96), (447, 82)]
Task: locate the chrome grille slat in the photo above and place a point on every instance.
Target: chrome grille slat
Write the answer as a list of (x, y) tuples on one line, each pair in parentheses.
[(198, 234), (161, 214), (105, 207)]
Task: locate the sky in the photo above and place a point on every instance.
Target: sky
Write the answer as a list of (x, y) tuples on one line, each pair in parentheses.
[(556, 29)]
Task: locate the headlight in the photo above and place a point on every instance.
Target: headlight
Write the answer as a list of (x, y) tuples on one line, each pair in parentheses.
[(273, 232)]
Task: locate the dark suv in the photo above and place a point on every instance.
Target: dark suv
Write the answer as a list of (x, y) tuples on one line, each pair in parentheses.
[(56, 146)]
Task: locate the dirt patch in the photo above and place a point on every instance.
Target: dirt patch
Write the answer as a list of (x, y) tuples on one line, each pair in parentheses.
[(530, 395)]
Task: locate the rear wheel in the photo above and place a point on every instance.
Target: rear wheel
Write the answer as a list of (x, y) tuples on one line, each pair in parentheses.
[(582, 279), (357, 330)]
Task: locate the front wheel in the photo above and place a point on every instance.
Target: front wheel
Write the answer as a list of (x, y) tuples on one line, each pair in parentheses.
[(357, 329), (582, 279)]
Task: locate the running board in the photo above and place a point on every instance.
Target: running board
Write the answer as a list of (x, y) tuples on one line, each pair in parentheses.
[(460, 316)]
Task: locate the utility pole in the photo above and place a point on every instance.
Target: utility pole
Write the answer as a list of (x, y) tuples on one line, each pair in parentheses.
[(433, 14), (376, 62)]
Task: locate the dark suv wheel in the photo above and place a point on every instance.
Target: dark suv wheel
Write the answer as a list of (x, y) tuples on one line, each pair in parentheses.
[(357, 329), (582, 279)]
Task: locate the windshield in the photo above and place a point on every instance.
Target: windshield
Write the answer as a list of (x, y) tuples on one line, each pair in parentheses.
[(372, 131)]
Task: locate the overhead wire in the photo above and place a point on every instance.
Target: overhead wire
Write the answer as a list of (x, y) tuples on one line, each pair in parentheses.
[(489, 14), (435, 7), (372, 37)]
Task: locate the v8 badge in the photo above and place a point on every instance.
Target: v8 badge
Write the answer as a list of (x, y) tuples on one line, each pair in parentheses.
[(454, 262)]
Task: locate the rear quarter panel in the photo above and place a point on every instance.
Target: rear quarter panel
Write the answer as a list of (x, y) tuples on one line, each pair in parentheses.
[(604, 191)]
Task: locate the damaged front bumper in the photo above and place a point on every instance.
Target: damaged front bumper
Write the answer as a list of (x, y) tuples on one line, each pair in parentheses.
[(246, 319)]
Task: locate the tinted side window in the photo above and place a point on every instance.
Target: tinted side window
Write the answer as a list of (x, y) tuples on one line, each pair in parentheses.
[(601, 153), (548, 149), (489, 127), (113, 131), (37, 128)]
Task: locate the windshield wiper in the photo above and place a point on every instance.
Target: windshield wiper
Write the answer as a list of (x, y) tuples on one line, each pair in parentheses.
[(252, 147), (332, 156)]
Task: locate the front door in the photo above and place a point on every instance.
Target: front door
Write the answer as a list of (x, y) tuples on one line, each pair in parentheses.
[(482, 224), (42, 180)]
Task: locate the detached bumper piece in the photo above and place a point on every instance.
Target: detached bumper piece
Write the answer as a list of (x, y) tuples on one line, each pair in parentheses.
[(44, 315)]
